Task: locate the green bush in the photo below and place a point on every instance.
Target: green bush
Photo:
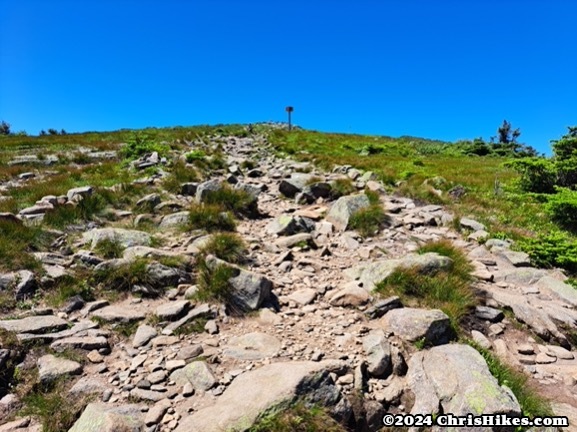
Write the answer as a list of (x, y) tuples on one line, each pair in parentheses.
[(555, 249), (562, 207), (537, 174), (210, 217), (140, 144)]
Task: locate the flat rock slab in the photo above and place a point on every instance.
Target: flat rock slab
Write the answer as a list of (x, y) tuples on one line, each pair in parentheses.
[(430, 325), (117, 313), (372, 273), (50, 368), (559, 289), (304, 296), (35, 324), (252, 346), (125, 237), (98, 417), (197, 373), (88, 343), (456, 377), (255, 392), (172, 310)]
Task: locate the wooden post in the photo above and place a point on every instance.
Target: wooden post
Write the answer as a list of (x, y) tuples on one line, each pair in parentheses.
[(289, 110)]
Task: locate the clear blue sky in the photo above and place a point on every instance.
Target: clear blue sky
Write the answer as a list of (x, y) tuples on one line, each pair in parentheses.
[(445, 69)]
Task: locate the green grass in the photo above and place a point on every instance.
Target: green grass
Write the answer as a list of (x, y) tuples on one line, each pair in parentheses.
[(532, 405), (16, 241), (123, 277), (237, 201), (109, 248), (179, 174), (210, 217), (67, 287), (229, 247), (369, 220), (213, 283), (195, 326), (341, 187), (53, 407), (446, 289), (297, 418)]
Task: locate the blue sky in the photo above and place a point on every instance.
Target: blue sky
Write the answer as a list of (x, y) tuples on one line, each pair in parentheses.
[(445, 69)]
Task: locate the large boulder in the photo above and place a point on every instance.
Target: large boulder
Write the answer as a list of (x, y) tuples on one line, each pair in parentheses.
[(456, 379), (124, 237), (371, 274), (342, 210), (50, 368), (291, 186), (98, 417), (256, 392), (248, 290), (431, 326)]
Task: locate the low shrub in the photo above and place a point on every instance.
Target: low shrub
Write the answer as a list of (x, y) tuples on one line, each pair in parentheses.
[(555, 249), (562, 207)]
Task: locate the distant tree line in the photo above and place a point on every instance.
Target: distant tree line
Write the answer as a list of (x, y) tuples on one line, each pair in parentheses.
[(5, 130), (504, 144)]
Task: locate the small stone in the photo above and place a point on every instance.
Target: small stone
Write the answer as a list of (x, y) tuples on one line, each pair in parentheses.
[(187, 390), (95, 357), (481, 339), (174, 364), (211, 327), (156, 413)]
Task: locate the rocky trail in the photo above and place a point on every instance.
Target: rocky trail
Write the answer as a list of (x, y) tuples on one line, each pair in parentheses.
[(315, 329)]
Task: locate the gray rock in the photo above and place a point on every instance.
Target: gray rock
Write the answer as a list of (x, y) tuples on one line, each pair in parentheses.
[(188, 189), (342, 210), (87, 343), (146, 395), (559, 289), (472, 224), (155, 414), (50, 368), (197, 373), (206, 188), (144, 334), (248, 290), (304, 296), (148, 201), (489, 313), (371, 274), (117, 313), (291, 186), (189, 352), (256, 392), (481, 339), (125, 237), (350, 295), (430, 325), (175, 220), (34, 324), (456, 378), (374, 413), (378, 352), (381, 307), (296, 239), (289, 225), (252, 346), (82, 191), (559, 352), (99, 417), (26, 284), (199, 311), (172, 310), (518, 259)]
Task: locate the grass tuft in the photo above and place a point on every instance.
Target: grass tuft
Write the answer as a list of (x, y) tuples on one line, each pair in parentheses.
[(297, 418), (446, 289), (210, 217), (227, 246)]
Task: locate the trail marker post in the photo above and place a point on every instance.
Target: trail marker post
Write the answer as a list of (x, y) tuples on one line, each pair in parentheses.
[(289, 110)]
